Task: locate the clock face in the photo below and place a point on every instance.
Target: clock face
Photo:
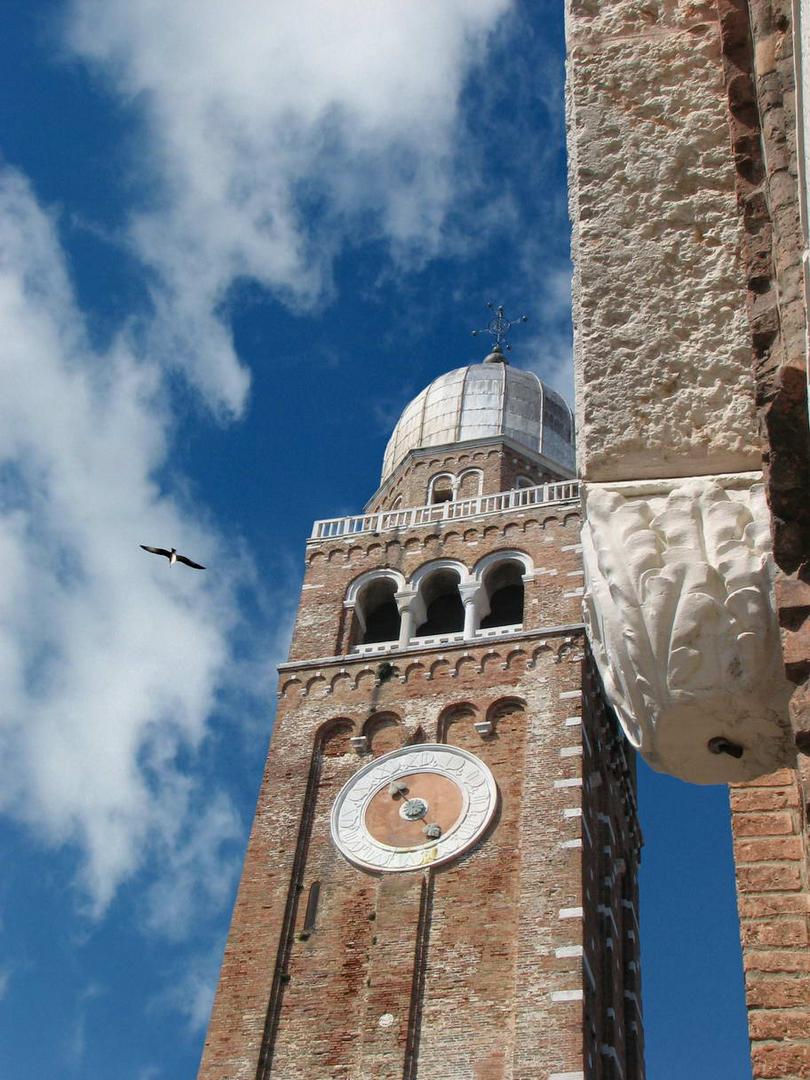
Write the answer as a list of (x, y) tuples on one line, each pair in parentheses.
[(415, 807)]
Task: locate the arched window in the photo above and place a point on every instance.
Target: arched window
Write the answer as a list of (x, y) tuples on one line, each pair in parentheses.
[(503, 584), (440, 488), (444, 611), (524, 482), (470, 483), (376, 612)]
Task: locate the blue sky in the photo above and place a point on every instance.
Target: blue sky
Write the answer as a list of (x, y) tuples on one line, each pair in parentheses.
[(235, 239)]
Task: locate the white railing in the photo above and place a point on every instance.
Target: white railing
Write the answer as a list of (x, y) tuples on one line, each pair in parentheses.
[(377, 647), (498, 631), (518, 498), (436, 639)]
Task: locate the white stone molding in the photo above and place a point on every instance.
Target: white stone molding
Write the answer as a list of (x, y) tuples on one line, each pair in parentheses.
[(479, 802), (412, 613), (428, 569), (450, 477), (484, 727), (360, 582), (476, 607), (495, 558), (680, 614), (479, 473)]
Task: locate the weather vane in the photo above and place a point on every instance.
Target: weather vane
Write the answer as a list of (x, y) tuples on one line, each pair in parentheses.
[(499, 326)]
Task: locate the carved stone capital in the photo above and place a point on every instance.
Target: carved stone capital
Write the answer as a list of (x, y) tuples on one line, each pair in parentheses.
[(680, 613)]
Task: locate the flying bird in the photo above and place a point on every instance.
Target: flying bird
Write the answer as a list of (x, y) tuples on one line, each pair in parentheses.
[(173, 557)]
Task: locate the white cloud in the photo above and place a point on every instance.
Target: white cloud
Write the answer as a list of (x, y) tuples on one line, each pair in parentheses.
[(110, 662), (77, 1038), (272, 135), (189, 990), (549, 351), (276, 131), (198, 872)]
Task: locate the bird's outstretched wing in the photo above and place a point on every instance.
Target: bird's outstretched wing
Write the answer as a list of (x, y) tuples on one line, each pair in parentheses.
[(188, 562), (157, 551)]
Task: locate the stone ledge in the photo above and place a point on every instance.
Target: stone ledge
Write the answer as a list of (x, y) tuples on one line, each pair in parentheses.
[(572, 629)]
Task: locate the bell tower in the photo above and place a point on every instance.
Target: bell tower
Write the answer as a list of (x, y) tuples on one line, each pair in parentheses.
[(440, 881)]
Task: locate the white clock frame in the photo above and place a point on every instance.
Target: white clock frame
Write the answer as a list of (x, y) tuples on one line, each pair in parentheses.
[(480, 801)]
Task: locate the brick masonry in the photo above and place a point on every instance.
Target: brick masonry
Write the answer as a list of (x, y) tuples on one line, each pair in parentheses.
[(769, 818), (519, 960), (499, 462), (769, 827), (758, 63)]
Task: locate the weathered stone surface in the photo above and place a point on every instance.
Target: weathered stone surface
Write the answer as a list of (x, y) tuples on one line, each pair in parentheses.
[(682, 136), (662, 344)]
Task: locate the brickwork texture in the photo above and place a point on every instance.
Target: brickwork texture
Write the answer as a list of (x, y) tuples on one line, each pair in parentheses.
[(516, 960)]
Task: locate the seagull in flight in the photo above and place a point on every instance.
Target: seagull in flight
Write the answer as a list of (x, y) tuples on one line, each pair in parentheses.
[(173, 557)]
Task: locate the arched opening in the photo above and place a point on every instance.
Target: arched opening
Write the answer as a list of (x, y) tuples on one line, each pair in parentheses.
[(443, 606), (333, 739), (469, 485), (377, 612), (455, 717), (503, 584), (440, 489), (525, 482), (384, 733)]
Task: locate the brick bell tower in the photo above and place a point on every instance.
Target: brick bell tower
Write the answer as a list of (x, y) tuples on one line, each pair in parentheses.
[(440, 881)]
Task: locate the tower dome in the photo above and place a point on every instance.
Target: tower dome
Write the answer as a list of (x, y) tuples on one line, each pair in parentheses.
[(481, 401)]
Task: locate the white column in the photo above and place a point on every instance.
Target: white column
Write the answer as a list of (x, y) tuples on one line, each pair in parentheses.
[(411, 613), (474, 599)]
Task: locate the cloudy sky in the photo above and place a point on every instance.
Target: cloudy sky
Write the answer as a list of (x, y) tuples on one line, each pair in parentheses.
[(235, 239)]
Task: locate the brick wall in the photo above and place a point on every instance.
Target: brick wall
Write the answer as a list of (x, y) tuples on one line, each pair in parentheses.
[(769, 818), (614, 1031), (500, 464), (769, 827), (473, 971), (550, 535), (758, 67)]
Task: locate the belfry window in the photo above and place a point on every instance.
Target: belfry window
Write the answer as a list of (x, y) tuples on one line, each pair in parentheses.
[(443, 606), (377, 612), (504, 588), (440, 489)]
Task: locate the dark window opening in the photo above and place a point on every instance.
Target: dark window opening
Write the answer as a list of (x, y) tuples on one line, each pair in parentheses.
[(504, 585), (441, 489), (379, 610), (445, 610), (312, 911)]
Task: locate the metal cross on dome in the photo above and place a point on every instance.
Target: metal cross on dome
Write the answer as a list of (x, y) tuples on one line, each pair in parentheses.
[(499, 326)]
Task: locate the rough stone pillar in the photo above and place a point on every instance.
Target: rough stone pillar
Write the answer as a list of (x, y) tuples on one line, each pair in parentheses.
[(676, 539)]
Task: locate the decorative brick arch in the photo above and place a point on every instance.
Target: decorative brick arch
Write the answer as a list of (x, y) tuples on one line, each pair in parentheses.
[(362, 580), (494, 558)]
